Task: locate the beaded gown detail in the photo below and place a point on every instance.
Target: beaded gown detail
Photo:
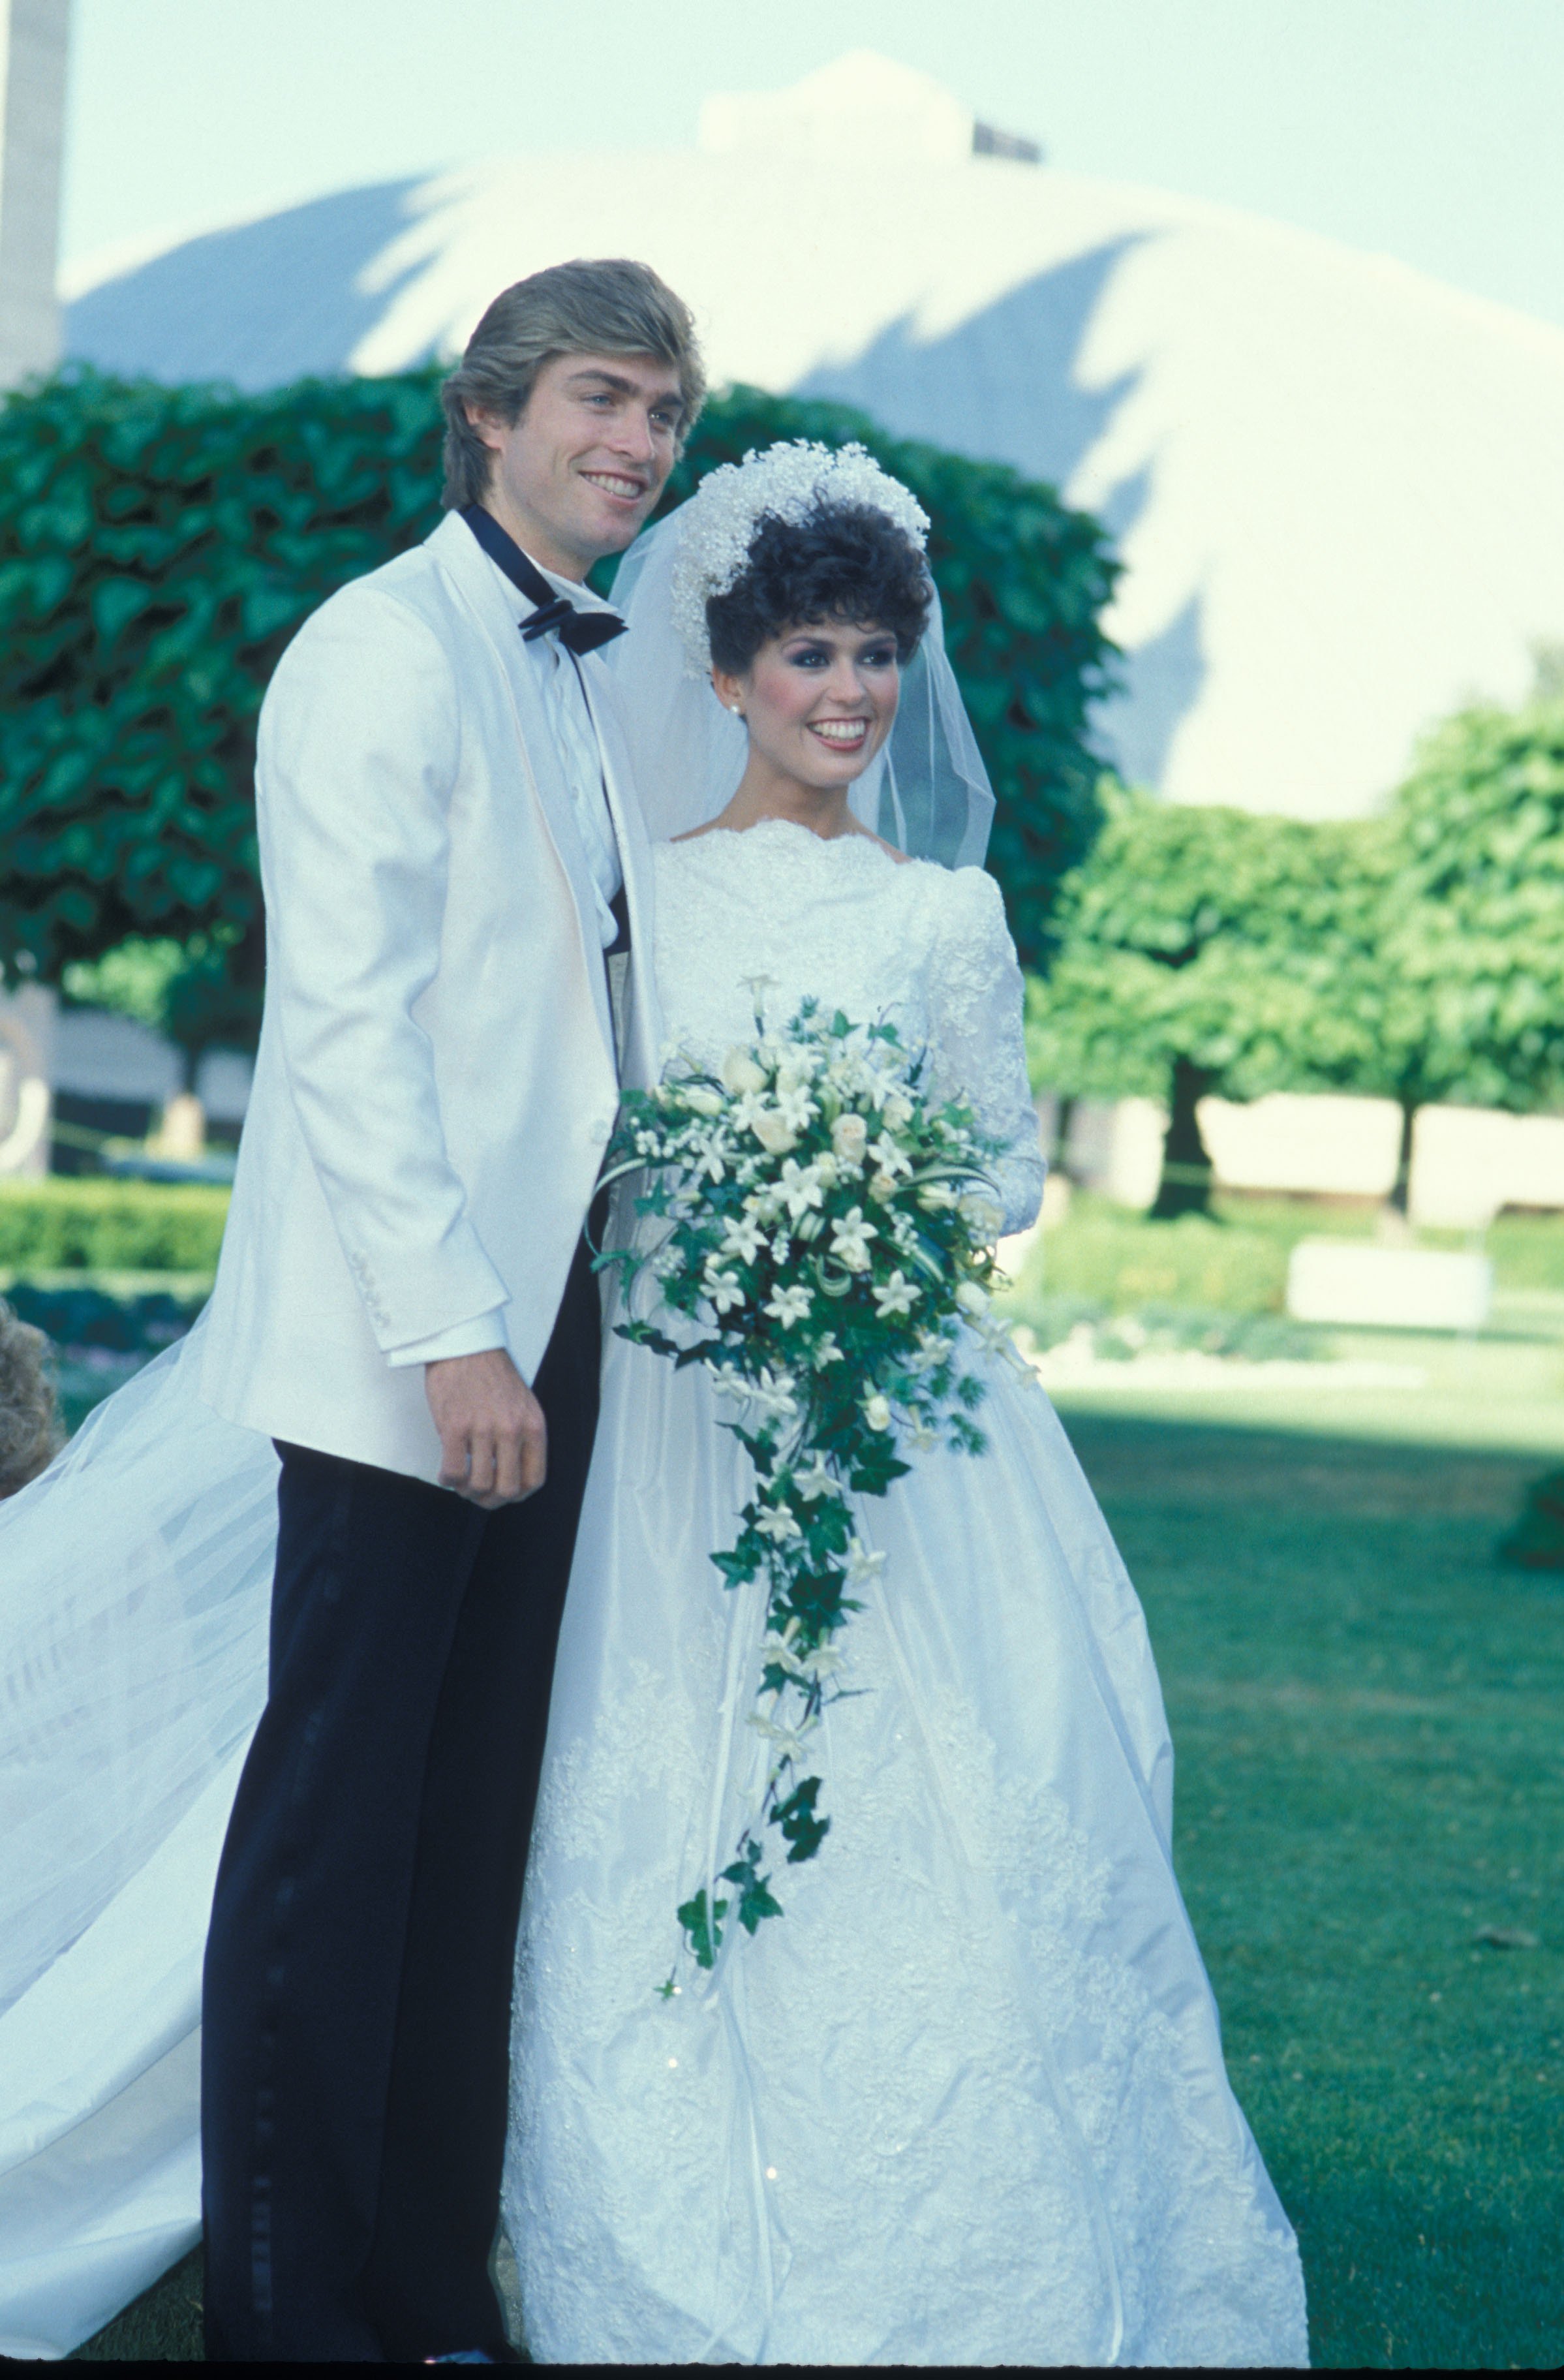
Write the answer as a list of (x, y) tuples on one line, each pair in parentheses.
[(965, 2103)]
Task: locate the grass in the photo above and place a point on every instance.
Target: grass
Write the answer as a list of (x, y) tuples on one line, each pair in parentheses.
[(163, 2326), (1365, 1708)]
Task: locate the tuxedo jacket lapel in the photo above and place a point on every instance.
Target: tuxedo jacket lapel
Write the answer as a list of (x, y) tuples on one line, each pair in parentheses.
[(466, 564)]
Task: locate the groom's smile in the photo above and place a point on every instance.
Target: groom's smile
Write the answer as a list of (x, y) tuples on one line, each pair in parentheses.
[(576, 474)]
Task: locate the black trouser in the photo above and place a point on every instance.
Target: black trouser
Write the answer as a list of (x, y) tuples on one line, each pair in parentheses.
[(358, 1969)]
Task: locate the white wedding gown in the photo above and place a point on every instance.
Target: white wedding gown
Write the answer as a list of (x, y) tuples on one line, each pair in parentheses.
[(965, 2102)]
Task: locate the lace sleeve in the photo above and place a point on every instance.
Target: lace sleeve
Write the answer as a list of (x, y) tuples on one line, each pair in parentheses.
[(975, 1000)]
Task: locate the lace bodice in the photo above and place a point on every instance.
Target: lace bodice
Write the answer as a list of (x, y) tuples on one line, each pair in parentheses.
[(845, 921)]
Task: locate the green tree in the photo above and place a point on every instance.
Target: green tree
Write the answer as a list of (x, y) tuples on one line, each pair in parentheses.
[(188, 991), (159, 547), (1202, 950), (1461, 985)]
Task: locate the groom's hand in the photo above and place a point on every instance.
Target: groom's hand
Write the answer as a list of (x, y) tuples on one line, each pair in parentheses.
[(493, 1439)]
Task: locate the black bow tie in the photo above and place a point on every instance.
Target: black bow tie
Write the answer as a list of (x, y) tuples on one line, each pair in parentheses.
[(580, 632)]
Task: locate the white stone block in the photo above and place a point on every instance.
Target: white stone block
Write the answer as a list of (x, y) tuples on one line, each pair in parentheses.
[(1468, 1163), (1407, 1289), (1289, 1141)]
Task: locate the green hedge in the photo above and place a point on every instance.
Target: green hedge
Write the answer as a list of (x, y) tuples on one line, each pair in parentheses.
[(59, 1225), (1126, 1263), (159, 546)]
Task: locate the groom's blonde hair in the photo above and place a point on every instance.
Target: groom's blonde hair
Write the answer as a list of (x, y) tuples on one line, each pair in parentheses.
[(607, 306)]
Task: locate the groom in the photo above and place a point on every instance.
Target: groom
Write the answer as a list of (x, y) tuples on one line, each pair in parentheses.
[(450, 854)]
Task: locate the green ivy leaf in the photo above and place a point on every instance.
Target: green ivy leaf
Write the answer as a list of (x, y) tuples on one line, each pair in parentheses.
[(801, 1829), (704, 1931)]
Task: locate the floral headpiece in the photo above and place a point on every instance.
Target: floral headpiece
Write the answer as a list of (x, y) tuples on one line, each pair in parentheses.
[(788, 483)]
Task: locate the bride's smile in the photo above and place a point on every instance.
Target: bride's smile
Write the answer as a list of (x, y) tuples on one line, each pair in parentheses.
[(819, 701)]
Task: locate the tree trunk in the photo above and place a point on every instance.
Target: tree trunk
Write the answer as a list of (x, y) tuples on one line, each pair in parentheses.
[(1400, 1193), (1186, 1186), (1063, 1115)]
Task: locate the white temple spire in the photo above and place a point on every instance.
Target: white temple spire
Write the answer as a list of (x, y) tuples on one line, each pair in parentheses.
[(35, 36)]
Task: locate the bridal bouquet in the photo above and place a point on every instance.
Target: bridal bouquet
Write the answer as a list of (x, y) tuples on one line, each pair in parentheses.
[(825, 1229)]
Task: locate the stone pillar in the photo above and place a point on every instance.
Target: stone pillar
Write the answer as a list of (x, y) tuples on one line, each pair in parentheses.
[(33, 41), (27, 1070)]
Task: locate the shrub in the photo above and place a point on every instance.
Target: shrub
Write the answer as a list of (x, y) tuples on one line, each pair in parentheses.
[(78, 1222), (1124, 1263)]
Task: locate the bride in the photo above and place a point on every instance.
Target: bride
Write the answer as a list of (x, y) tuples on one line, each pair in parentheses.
[(965, 2102)]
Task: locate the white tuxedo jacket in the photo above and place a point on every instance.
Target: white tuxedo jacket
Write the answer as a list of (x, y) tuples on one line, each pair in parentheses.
[(437, 1077)]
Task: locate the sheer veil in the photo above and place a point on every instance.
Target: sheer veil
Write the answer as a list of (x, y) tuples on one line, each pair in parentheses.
[(133, 1633), (927, 792)]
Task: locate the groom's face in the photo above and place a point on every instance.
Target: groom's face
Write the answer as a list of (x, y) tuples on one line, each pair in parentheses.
[(577, 475)]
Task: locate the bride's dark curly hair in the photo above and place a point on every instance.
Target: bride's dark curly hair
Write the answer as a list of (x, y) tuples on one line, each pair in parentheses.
[(845, 563)]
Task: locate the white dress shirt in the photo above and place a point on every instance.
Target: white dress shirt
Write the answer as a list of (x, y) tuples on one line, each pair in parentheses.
[(576, 739)]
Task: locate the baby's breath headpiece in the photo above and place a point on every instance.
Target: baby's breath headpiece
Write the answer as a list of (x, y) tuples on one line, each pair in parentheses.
[(788, 483)]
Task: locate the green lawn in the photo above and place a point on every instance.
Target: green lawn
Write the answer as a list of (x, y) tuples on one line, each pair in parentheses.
[(1366, 1711)]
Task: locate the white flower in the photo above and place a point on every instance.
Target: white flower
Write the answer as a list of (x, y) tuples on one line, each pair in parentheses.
[(724, 1289), (776, 1522), (936, 1196), (894, 1296), (848, 1077), (818, 1480), (773, 1393), (882, 1189), (876, 1412), (930, 1352), (701, 1099), (789, 1742), (773, 1131), (741, 1239), (825, 1351), (849, 1138), (789, 1306), (801, 1187), (849, 1237), (979, 1210), (861, 1564), (794, 1105), (897, 1110), (889, 1156), (740, 1073), (782, 1247), (972, 1299)]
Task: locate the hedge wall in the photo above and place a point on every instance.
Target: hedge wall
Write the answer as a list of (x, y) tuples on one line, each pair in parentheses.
[(75, 1222), (159, 547)]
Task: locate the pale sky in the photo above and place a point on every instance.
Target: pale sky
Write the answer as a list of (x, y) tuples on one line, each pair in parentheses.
[(1428, 129)]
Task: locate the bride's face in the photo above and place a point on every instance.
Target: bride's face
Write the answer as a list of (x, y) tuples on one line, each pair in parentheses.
[(818, 701)]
